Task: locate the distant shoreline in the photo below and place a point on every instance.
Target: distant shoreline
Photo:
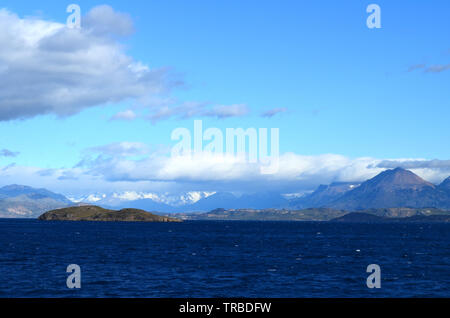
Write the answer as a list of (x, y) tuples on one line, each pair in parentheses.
[(392, 215), (318, 215)]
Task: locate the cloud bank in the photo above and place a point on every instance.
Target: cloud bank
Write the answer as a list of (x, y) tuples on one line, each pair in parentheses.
[(133, 166), (47, 68)]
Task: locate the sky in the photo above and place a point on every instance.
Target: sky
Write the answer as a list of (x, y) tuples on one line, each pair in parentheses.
[(93, 109)]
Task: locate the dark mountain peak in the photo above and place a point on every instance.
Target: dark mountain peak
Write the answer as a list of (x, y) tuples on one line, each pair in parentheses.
[(324, 195), (392, 189), (397, 178), (445, 184), (396, 171)]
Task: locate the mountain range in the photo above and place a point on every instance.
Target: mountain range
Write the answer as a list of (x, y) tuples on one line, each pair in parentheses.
[(395, 188), (18, 201), (186, 202), (392, 188)]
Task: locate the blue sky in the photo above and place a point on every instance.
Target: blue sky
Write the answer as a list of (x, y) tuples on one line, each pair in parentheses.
[(344, 89)]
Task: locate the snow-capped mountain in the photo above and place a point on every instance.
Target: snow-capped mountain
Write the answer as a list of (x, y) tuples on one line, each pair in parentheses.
[(117, 199)]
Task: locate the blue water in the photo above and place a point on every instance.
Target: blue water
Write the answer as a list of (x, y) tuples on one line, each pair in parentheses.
[(223, 259)]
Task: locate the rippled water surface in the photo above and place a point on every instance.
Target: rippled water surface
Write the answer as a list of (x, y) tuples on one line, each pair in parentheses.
[(223, 259)]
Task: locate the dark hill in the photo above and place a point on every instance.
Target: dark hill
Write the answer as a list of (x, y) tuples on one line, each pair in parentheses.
[(95, 213)]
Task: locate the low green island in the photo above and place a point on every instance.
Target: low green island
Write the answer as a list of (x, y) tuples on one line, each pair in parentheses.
[(96, 213)]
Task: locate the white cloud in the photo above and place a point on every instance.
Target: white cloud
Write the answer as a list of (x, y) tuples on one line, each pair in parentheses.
[(171, 199), (432, 170), (416, 67), (47, 68), (215, 171), (170, 108), (84, 185), (167, 108), (225, 111), (206, 173), (225, 172), (125, 115), (93, 198), (274, 111), (438, 68), (120, 149), (415, 164), (103, 20)]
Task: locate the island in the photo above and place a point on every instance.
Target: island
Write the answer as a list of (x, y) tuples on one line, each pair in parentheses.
[(96, 213)]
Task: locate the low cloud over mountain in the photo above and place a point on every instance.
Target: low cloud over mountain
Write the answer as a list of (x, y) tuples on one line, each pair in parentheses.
[(395, 188)]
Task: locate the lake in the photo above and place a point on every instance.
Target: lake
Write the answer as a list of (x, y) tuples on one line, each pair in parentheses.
[(223, 259)]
